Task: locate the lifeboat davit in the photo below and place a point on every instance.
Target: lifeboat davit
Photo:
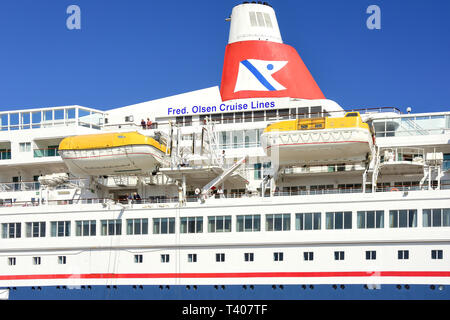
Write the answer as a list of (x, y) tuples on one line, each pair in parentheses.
[(123, 153), (324, 140)]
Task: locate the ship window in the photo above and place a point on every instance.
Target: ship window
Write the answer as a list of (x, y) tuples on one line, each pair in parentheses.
[(25, 146), (278, 222), (216, 118), (370, 219), (11, 230), (248, 116), (36, 260), (403, 218), (137, 226), (371, 255), (192, 257), (35, 229), (307, 221), (253, 19), (228, 117), (339, 255), (62, 259), (278, 256), (304, 126), (219, 224), (258, 116), (436, 217), (111, 227), (267, 20), (308, 256), (271, 115), (260, 19), (85, 228), (283, 113), (11, 261), (302, 113), (248, 223), (187, 121), (316, 112), (138, 258), (220, 257), (436, 254), (163, 225), (129, 119), (352, 114), (248, 256), (403, 254), (238, 116), (191, 224), (165, 258), (339, 220), (60, 228)]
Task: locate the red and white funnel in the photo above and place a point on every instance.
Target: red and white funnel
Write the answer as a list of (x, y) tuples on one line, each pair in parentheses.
[(257, 64)]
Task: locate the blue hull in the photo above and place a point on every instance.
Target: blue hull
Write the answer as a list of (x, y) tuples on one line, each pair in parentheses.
[(231, 292)]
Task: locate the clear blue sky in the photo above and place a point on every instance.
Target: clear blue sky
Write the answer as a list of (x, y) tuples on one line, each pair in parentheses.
[(138, 50)]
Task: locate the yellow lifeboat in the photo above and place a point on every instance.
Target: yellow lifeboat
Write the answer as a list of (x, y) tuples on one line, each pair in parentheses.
[(319, 140), (119, 153)]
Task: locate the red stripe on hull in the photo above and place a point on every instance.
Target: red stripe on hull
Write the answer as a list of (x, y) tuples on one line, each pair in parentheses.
[(230, 275)]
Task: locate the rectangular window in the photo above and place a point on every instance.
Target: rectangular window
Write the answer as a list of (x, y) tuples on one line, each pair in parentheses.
[(248, 256), (36, 260), (278, 256), (370, 219), (307, 221), (11, 230), (436, 217), (219, 224), (60, 228), (61, 259), (35, 229), (403, 218), (111, 227), (191, 224), (165, 258), (163, 225), (278, 222), (248, 223), (308, 256), (403, 254), (437, 254), (371, 255), (11, 261), (220, 257), (137, 226), (25, 146), (339, 255), (192, 257), (339, 220), (85, 228), (138, 258)]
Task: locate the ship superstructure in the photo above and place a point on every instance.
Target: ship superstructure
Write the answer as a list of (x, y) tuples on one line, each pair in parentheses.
[(263, 189)]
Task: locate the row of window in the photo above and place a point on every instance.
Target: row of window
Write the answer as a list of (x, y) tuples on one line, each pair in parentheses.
[(255, 116), (249, 257), (244, 223)]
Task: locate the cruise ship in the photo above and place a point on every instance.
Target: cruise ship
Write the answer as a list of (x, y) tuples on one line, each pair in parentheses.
[(260, 189)]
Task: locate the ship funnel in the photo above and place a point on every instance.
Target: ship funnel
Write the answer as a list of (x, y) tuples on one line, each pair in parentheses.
[(257, 64), (252, 21)]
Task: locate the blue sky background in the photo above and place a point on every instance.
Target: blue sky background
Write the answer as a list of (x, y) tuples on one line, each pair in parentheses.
[(138, 50)]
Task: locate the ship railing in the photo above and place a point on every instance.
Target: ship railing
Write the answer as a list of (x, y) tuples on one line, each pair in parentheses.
[(19, 186), (167, 200), (35, 185)]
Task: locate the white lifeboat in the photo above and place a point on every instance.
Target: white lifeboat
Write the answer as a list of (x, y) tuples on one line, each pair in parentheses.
[(123, 153), (319, 140)]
